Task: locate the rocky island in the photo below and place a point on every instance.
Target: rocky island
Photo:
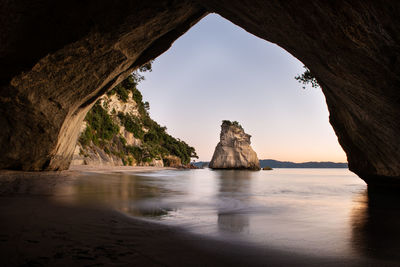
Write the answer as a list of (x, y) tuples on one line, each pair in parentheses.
[(233, 150)]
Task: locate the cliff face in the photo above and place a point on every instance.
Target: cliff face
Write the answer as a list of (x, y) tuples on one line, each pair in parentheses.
[(233, 150), (119, 131), (49, 81), (113, 153)]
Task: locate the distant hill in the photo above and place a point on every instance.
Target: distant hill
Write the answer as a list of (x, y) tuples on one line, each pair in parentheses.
[(201, 164), (311, 164), (288, 164)]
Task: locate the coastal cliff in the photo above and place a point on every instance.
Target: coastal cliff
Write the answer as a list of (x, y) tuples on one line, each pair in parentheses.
[(118, 131), (233, 150)]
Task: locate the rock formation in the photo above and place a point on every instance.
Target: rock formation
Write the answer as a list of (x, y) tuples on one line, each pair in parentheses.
[(96, 156), (119, 131), (233, 150), (50, 80)]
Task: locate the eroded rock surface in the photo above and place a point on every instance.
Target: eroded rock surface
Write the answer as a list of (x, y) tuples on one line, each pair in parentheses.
[(58, 57), (113, 152), (353, 49), (233, 150)]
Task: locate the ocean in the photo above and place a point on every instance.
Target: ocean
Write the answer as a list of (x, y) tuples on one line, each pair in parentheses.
[(317, 212)]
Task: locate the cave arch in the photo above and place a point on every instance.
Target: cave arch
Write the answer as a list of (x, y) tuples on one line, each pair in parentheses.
[(58, 58)]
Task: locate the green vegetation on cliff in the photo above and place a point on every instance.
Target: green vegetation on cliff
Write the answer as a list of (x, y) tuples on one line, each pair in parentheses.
[(103, 129), (100, 127), (230, 123)]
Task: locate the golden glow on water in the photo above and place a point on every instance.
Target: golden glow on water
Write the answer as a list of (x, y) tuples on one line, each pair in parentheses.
[(324, 212)]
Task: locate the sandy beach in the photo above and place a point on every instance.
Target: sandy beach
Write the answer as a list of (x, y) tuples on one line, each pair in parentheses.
[(37, 231), (116, 169)]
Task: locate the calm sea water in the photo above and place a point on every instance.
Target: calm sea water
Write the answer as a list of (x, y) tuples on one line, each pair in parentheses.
[(325, 212)]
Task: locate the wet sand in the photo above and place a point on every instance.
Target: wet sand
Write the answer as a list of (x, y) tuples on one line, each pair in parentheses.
[(115, 169), (37, 231)]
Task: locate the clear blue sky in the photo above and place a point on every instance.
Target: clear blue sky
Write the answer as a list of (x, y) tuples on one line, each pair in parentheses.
[(218, 71)]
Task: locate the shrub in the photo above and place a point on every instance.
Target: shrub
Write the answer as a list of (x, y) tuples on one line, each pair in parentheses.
[(156, 142), (230, 123), (132, 124), (307, 78), (122, 140), (86, 136), (136, 152), (100, 127), (121, 92)]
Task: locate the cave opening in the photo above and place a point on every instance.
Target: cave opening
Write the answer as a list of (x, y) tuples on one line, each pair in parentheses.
[(219, 71), (47, 89), (59, 57)]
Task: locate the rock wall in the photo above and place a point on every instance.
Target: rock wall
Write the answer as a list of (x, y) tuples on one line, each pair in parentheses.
[(233, 150), (113, 154), (353, 49), (58, 57), (94, 155)]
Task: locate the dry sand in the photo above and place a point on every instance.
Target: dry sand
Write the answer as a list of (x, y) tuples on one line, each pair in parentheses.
[(37, 231)]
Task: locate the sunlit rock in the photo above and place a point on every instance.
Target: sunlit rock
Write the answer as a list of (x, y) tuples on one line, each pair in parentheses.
[(233, 150)]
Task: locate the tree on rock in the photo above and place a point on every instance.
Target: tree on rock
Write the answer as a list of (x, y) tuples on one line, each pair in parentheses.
[(307, 78)]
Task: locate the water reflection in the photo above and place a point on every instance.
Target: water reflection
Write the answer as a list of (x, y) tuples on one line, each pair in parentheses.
[(233, 195), (318, 212), (376, 225), (137, 197)]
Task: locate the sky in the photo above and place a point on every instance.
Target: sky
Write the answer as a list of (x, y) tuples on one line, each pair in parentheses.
[(218, 71)]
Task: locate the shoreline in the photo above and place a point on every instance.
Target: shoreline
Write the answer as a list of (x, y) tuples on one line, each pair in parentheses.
[(45, 182), (37, 229), (46, 233), (117, 169)]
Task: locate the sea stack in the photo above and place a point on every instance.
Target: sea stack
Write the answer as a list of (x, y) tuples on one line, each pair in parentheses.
[(233, 150)]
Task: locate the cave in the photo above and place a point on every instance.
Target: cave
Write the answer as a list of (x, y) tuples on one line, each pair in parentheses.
[(59, 57)]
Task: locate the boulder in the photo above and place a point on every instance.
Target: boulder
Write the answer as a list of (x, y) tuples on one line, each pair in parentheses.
[(233, 150), (172, 161)]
